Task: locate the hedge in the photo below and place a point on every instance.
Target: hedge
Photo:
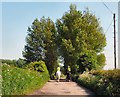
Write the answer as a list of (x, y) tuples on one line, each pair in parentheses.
[(102, 82), (17, 81)]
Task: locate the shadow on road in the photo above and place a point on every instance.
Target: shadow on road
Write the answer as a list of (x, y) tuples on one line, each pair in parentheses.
[(61, 80)]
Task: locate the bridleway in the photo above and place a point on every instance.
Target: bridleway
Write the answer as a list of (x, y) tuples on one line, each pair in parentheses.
[(53, 87)]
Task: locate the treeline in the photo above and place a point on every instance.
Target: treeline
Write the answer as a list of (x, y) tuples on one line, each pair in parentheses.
[(18, 63), (77, 37)]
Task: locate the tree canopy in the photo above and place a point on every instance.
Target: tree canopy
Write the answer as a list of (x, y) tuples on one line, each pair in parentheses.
[(77, 37), (41, 43)]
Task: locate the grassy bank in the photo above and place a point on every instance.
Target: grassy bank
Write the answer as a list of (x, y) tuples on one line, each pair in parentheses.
[(17, 81)]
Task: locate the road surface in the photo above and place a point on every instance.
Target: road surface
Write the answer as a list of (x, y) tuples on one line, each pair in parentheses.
[(62, 88)]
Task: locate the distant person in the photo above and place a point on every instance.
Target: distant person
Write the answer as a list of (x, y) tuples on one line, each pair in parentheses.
[(68, 78), (58, 74)]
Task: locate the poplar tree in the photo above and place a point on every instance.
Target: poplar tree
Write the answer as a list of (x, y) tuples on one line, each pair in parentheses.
[(41, 43)]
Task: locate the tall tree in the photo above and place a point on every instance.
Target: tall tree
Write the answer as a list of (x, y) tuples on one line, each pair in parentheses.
[(33, 49), (41, 43), (78, 34), (67, 34), (50, 46)]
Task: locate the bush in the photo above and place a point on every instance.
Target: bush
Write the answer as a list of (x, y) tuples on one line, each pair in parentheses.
[(37, 66), (102, 82), (17, 81), (75, 77)]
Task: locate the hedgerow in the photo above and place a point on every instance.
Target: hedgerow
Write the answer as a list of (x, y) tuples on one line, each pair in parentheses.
[(17, 81), (102, 82), (0, 79)]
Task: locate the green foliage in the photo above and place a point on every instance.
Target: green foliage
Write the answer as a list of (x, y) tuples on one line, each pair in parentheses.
[(75, 77), (41, 43), (102, 82), (33, 48), (37, 66), (87, 61), (79, 35), (101, 61), (18, 81), (7, 61), (67, 36), (18, 63), (76, 35)]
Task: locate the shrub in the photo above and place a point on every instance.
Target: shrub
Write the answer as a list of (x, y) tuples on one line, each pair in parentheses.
[(17, 81), (75, 77), (102, 82), (37, 66)]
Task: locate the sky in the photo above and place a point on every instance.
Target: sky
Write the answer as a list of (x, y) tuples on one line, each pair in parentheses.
[(17, 16)]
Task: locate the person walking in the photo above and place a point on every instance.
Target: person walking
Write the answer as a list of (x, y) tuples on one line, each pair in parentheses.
[(58, 74), (68, 78)]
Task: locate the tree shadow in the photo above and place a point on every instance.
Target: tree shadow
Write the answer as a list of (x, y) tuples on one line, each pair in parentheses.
[(63, 80)]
